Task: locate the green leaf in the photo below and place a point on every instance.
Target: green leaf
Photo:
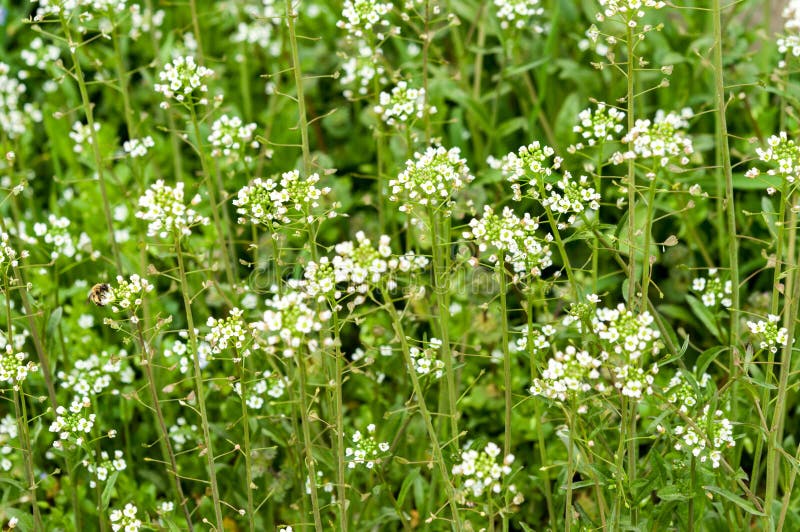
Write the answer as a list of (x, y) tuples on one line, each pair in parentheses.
[(705, 316), (744, 504), (768, 212), (707, 357), (25, 519), (108, 490), (408, 482)]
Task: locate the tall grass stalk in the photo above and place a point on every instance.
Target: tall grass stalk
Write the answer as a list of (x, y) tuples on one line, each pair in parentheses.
[(198, 384)]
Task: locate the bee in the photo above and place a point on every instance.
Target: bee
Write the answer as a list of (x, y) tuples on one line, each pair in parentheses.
[(100, 294)]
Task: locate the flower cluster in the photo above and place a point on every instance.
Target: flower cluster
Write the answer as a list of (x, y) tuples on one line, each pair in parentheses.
[(81, 135), (598, 125), (229, 135), (713, 291), (708, 438), (289, 323), (181, 349), (518, 14), (569, 373), (100, 470), (8, 432), (788, 44), (9, 258), (661, 139), (125, 519), (513, 238), (13, 115), (92, 375), (782, 154), (138, 147), (128, 293), (366, 450), (538, 339), (403, 105), (74, 422), (360, 17), (359, 266), (791, 14), (626, 333), (55, 233), (425, 358), (633, 381), (182, 433), (13, 368), (430, 178), (269, 383), (273, 201), (681, 393), (144, 20), (360, 69), (529, 164), (628, 10), (569, 196), (768, 333), (231, 332), (39, 54), (162, 206), (480, 473), (183, 80)]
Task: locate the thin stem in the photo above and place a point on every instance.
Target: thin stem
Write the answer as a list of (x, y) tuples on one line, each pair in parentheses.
[(646, 270), (304, 419), (631, 184), (251, 523), (440, 242), (90, 123), (790, 310), (199, 388), (298, 80), (339, 405), (423, 409), (501, 274)]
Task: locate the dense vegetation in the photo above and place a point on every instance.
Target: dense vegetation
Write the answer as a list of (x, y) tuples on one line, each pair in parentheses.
[(376, 265)]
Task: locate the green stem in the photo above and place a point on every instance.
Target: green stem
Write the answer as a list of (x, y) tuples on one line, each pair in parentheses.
[(309, 459), (631, 184), (147, 365), (227, 253), (440, 242), (646, 269), (247, 454), (298, 80), (340, 465), (90, 123), (423, 409), (501, 274), (199, 388), (790, 310)]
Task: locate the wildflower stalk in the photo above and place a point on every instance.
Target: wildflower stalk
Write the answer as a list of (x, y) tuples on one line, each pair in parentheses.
[(646, 270), (790, 310), (147, 365), (501, 275), (298, 81), (440, 242), (241, 366), (730, 209), (537, 405), (199, 388), (41, 354), (228, 252), (769, 370), (339, 407), (562, 250), (307, 444), (631, 184), (570, 473), (21, 415), (423, 409), (198, 36), (88, 107)]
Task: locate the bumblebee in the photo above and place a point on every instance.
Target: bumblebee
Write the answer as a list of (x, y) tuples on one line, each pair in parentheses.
[(100, 294)]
